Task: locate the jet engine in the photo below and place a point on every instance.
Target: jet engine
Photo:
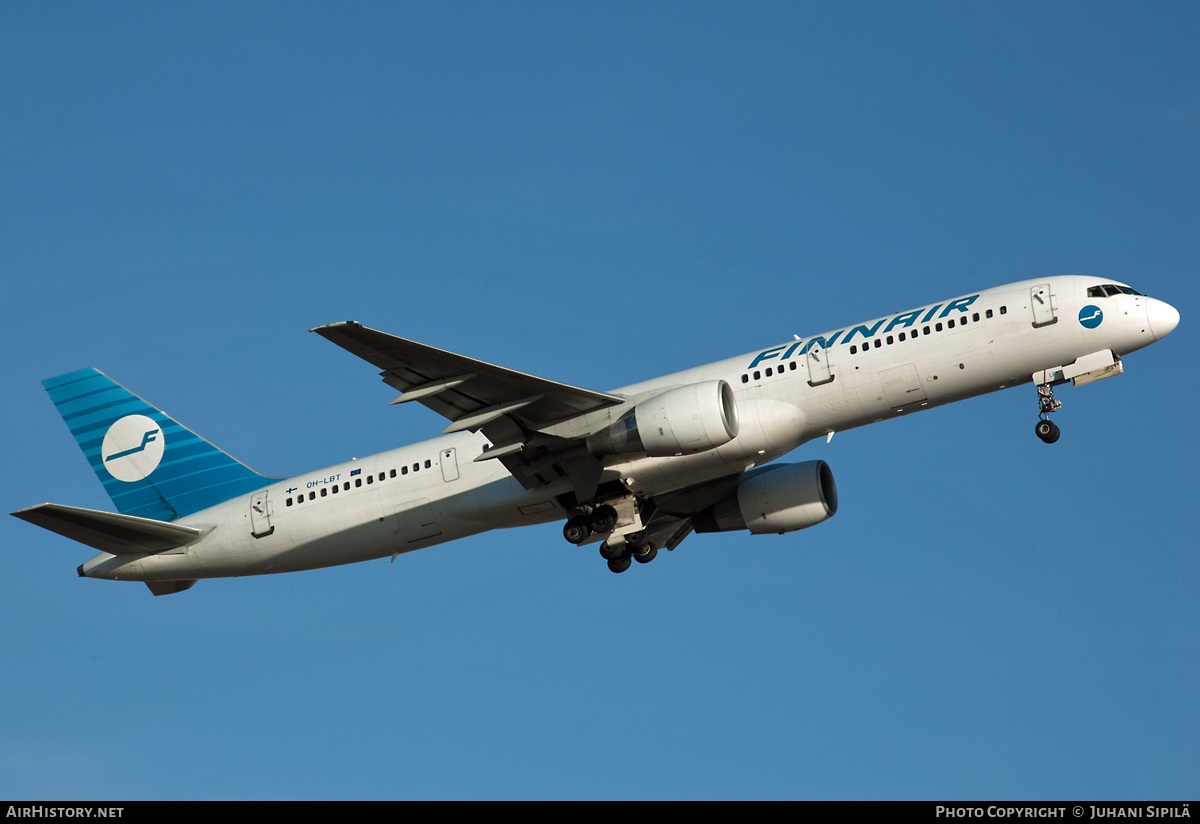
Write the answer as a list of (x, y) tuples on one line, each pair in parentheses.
[(683, 421), (780, 498)]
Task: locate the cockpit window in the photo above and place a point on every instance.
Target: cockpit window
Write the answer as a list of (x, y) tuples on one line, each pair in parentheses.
[(1109, 290)]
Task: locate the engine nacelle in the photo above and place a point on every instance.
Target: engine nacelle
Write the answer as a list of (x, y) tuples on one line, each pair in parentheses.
[(683, 421), (780, 498)]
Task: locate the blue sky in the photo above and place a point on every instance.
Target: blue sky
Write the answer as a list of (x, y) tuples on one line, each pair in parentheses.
[(600, 193)]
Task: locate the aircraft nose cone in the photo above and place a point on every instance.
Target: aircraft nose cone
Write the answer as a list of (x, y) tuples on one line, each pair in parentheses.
[(1162, 316)]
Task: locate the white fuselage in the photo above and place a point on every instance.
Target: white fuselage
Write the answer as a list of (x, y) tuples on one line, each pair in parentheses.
[(435, 491)]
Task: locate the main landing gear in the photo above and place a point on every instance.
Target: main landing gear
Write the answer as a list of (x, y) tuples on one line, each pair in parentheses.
[(619, 551), (600, 520), (1046, 429), (635, 548)]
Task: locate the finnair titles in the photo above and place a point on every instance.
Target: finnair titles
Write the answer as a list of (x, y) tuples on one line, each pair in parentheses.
[(631, 471), (867, 331)]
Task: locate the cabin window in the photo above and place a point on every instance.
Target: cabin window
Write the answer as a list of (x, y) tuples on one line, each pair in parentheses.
[(324, 492), (988, 313), (358, 482), (382, 476), (312, 496), (902, 336), (404, 470), (890, 340), (335, 489), (428, 463), (346, 486), (370, 479), (289, 501), (393, 473), (1004, 310), (925, 331), (937, 327), (853, 349), (975, 318), (745, 379), (768, 371), (792, 366), (950, 323), (757, 374), (416, 467)]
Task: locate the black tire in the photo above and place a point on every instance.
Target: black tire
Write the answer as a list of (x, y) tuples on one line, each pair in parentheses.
[(612, 553), (576, 531), (645, 554), (1047, 431), (602, 519), (618, 564)]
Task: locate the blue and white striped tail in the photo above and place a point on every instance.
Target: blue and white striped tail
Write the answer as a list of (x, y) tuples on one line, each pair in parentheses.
[(150, 465)]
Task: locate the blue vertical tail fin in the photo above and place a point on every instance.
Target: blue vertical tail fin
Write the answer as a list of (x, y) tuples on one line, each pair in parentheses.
[(150, 465)]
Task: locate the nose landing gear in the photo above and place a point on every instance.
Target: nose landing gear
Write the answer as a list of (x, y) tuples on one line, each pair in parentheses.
[(1046, 429)]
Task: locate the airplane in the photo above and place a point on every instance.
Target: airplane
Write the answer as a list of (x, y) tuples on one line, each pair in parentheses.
[(634, 470)]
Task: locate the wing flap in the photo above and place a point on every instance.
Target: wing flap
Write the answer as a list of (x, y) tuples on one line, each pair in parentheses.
[(109, 531)]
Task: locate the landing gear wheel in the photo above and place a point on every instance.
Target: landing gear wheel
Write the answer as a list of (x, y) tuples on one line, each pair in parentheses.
[(619, 564), (1047, 431), (645, 553), (602, 519), (576, 531), (612, 553)]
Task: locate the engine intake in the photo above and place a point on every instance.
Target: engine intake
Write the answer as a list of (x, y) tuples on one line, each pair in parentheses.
[(683, 421), (780, 498)]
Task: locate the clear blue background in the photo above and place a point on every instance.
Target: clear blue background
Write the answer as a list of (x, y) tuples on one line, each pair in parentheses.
[(600, 193)]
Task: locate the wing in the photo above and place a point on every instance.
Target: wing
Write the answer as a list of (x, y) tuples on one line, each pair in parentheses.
[(469, 392), (520, 414)]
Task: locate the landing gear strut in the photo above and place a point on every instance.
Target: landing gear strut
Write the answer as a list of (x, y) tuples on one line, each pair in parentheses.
[(1045, 429)]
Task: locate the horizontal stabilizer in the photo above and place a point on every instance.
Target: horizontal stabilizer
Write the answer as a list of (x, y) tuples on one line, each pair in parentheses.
[(108, 531)]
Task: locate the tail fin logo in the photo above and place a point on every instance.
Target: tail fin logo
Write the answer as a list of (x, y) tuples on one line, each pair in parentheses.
[(132, 448)]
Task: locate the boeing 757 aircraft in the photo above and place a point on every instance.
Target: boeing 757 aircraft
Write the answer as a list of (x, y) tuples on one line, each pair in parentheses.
[(634, 470)]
